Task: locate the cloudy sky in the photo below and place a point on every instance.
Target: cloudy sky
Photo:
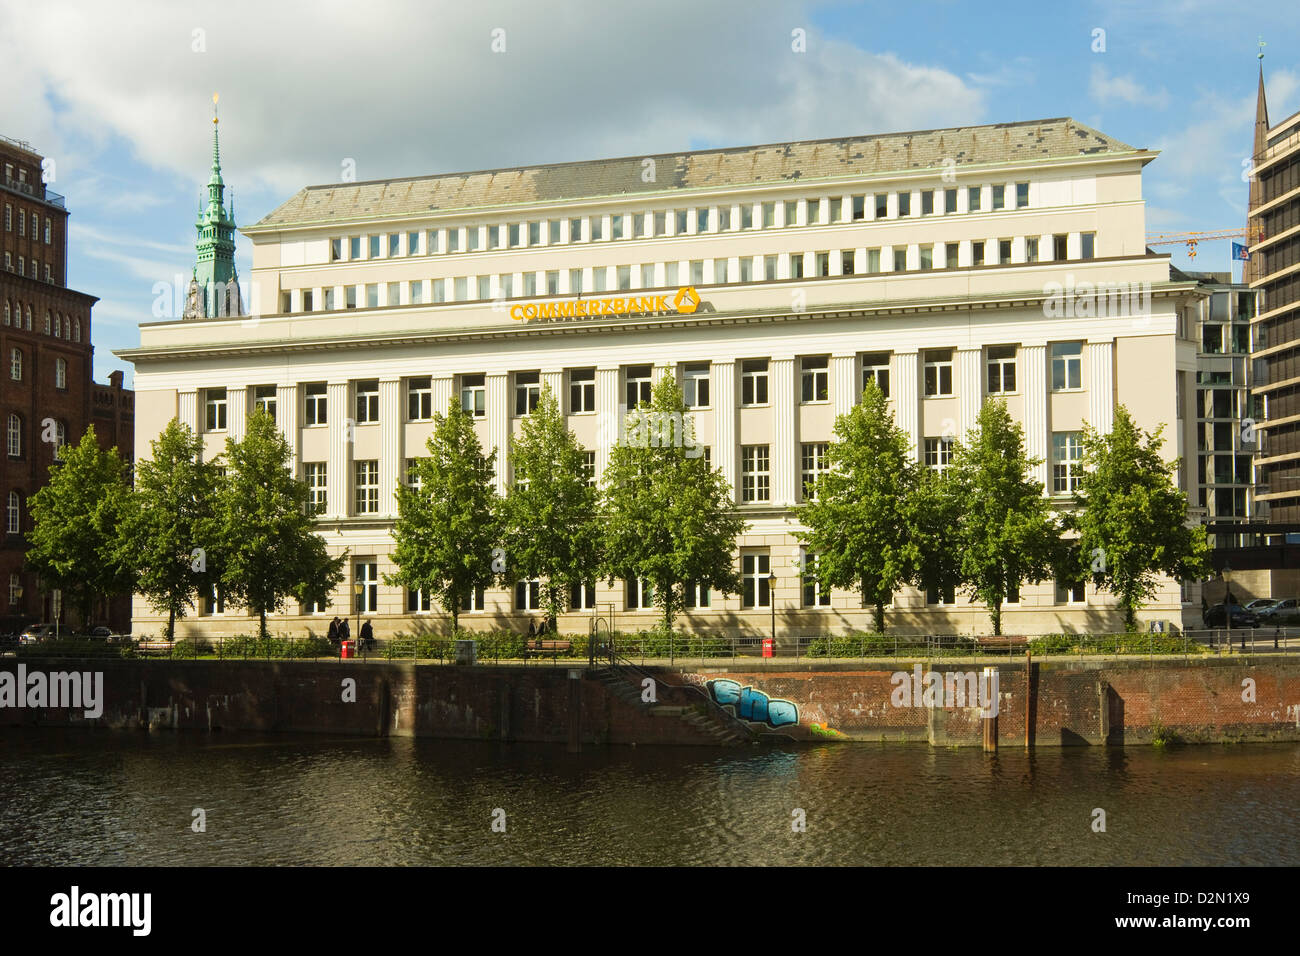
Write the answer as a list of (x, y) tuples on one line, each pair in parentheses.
[(119, 95)]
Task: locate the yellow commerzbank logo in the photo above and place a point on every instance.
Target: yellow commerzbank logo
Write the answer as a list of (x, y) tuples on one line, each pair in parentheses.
[(685, 302)]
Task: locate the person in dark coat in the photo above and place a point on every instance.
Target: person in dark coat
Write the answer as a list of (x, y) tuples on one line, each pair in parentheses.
[(334, 630), (532, 629), (367, 635), (345, 632)]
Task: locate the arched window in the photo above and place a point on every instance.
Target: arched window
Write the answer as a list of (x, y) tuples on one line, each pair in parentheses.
[(29, 318), (60, 439), (77, 330), (67, 327), (60, 373), (16, 364), (58, 325), (47, 321), (15, 435), (14, 514)]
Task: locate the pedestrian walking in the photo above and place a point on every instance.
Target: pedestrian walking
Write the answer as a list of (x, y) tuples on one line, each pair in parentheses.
[(334, 631), (367, 636)]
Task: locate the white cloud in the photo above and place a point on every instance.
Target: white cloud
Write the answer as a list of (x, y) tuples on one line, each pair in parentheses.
[(1104, 88), (407, 89)]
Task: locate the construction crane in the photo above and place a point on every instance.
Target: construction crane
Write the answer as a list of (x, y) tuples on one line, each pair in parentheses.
[(1192, 238)]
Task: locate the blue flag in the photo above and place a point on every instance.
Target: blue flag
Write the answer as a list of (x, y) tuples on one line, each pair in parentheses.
[(1239, 251)]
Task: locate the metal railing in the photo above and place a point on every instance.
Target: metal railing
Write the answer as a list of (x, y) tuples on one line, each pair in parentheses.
[(610, 648)]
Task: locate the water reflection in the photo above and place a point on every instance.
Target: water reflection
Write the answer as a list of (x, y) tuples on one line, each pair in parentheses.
[(100, 798)]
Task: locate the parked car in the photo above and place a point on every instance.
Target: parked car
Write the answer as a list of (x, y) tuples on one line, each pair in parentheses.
[(1259, 605), (1217, 616), (36, 633), (1281, 613)]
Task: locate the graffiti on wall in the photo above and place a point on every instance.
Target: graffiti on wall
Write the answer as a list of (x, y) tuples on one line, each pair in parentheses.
[(752, 705)]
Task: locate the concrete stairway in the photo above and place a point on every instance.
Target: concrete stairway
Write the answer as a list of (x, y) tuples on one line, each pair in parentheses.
[(704, 718)]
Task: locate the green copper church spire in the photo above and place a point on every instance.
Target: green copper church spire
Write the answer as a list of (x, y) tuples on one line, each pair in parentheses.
[(214, 289)]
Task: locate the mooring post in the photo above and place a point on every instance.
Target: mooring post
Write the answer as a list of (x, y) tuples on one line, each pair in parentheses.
[(990, 722)]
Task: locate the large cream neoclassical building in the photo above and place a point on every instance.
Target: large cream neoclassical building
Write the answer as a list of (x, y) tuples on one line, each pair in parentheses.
[(949, 265)]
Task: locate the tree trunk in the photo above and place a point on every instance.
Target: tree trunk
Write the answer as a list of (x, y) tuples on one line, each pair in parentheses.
[(171, 623), (880, 616), (997, 618), (1130, 615), (261, 623)]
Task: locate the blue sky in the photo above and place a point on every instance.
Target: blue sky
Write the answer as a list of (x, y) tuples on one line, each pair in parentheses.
[(120, 98)]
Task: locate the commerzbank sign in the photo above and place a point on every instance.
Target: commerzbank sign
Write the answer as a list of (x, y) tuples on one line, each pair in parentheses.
[(685, 302)]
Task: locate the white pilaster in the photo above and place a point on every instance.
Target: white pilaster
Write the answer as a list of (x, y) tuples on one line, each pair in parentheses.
[(339, 468), (724, 421), (498, 427), (970, 390), (443, 388), (1033, 369), (1101, 385), (785, 463), (554, 380), (187, 405), (391, 458), (286, 416), (844, 387), (236, 411), (905, 390), (607, 413)]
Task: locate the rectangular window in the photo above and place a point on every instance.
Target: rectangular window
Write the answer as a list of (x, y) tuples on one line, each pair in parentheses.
[(755, 473), (951, 251), (999, 197), (746, 268), (701, 220), (756, 590), (307, 300), (394, 294), (354, 247), (823, 264), (950, 200), (413, 243), (439, 290), (1060, 247), (484, 287), (575, 281), (264, 399), (695, 385), (815, 379), (873, 260), (553, 282), (882, 205), (413, 480), (747, 216), (769, 268), (215, 406), (638, 383), (1004, 251), (696, 596), (796, 265), (1067, 365), (926, 256), (314, 473), (589, 468), (367, 487), (973, 198), (350, 296), (367, 405), (900, 258), (875, 368), (1070, 592), (416, 292), (661, 223), (837, 208), (419, 399), (624, 278), (336, 250), (940, 595), (670, 273), (367, 575), (927, 202), (719, 270), (938, 453), (1067, 462), (639, 595), (938, 372), (474, 238), (514, 234), (846, 262), (506, 285), (814, 212), (812, 466), (473, 395), (582, 390), (814, 594), (582, 597), (328, 296), (374, 247), (859, 208), (792, 212), (598, 276), (904, 204), (553, 232), (769, 214), (597, 224), (418, 601), (1087, 245), (1002, 369), (679, 222), (575, 230), (528, 391), (697, 272), (618, 226), (753, 382), (647, 276), (315, 402), (1022, 195), (394, 244), (977, 253), (641, 225), (528, 595), (1031, 248)]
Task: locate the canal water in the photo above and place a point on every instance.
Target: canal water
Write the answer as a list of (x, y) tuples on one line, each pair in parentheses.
[(114, 798)]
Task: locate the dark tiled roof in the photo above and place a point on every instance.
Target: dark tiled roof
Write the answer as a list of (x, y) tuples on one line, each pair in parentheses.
[(816, 160)]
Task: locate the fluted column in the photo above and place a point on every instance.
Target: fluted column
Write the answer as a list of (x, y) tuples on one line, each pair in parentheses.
[(554, 380), (1101, 385), (724, 422), (443, 389), (1033, 368), (286, 416), (905, 389), (784, 461), (498, 427), (236, 411), (390, 444), (608, 415), (338, 472), (187, 403), (844, 390), (970, 390)]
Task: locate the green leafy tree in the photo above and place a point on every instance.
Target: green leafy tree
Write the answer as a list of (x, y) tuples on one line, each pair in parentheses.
[(448, 522), (934, 512), (170, 529), (267, 544), (668, 517), (549, 515), (858, 524), (77, 521), (1131, 518), (1006, 532)]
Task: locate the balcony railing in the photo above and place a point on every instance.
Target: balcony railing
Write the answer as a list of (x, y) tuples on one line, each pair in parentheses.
[(30, 189)]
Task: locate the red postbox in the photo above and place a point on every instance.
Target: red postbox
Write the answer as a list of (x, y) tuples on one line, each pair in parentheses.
[(769, 647), (346, 651)]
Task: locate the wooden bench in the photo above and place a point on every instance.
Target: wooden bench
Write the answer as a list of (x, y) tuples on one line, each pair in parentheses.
[(1005, 641), (154, 647), (554, 648)]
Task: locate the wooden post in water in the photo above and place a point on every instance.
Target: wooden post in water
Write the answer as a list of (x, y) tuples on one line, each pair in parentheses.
[(990, 723)]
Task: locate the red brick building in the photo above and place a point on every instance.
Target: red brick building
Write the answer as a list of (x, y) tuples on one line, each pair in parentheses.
[(47, 394)]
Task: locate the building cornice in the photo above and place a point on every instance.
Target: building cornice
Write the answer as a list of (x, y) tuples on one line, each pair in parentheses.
[(573, 327)]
